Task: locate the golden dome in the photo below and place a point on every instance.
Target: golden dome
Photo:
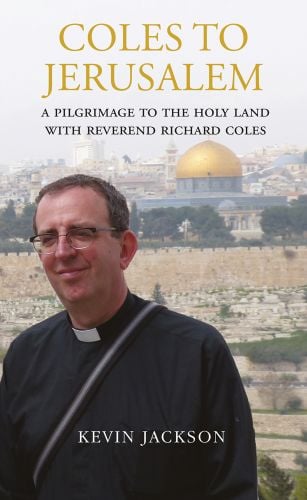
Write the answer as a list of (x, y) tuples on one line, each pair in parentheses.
[(208, 159)]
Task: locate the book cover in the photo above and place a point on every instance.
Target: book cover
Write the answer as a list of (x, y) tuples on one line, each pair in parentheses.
[(124, 90)]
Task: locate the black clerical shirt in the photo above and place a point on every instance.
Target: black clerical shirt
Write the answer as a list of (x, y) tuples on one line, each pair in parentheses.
[(170, 422)]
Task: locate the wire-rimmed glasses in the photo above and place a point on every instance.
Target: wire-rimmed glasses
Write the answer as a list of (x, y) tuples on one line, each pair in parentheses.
[(78, 238)]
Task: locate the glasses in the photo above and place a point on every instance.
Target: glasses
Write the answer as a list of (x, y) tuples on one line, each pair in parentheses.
[(78, 238)]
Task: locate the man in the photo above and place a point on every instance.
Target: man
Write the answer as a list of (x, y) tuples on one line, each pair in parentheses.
[(170, 421)]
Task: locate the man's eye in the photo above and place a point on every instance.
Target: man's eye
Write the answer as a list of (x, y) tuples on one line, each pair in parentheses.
[(47, 239), (81, 234)]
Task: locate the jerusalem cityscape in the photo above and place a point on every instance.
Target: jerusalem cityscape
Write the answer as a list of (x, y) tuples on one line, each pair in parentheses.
[(222, 237)]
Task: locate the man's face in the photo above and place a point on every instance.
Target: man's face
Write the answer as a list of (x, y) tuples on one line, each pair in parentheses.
[(90, 276)]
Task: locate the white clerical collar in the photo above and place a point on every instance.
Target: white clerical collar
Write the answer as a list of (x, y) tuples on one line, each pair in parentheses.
[(91, 335)]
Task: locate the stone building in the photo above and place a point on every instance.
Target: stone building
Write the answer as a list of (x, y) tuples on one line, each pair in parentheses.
[(209, 173), (208, 167)]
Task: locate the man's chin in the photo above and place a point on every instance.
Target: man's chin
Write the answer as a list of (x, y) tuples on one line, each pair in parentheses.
[(73, 296)]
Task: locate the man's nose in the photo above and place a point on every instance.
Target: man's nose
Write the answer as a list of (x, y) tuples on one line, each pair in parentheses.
[(64, 249)]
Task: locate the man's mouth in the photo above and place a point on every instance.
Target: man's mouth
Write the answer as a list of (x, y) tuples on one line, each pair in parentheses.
[(72, 272)]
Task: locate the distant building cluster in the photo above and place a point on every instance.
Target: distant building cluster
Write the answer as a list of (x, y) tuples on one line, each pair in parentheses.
[(207, 174)]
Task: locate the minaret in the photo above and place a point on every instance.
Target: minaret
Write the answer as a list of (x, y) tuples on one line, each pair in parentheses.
[(171, 161), (35, 185)]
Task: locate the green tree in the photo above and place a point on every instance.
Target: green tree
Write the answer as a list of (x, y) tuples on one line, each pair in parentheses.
[(304, 436), (285, 221), (300, 492), (301, 460), (183, 213), (277, 390), (225, 311), (275, 221), (24, 222), (302, 200), (9, 213), (298, 218), (12, 225), (294, 403), (275, 484), (134, 218), (157, 295), (8, 221), (159, 223), (207, 222)]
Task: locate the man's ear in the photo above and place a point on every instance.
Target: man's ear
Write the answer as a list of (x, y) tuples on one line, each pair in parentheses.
[(129, 246)]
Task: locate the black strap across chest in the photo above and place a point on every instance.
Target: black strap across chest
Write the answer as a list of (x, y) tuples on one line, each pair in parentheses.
[(89, 388)]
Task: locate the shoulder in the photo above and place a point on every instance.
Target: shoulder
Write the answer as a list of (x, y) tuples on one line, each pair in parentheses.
[(186, 327), (184, 347), (173, 331), (199, 343), (36, 336), (41, 329)]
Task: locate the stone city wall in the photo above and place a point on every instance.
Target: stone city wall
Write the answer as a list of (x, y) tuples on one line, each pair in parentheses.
[(177, 269), (194, 269)]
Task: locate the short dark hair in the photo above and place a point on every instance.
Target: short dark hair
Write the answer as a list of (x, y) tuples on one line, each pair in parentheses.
[(116, 202)]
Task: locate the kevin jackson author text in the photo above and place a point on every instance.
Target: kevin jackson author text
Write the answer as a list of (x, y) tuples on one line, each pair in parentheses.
[(146, 437)]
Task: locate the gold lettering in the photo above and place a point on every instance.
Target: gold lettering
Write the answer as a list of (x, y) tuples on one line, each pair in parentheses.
[(146, 76), (188, 79), (244, 37), (212, 77), (66, 76), (50, 80), (255, 73), (174, 37), (168, 75), (111, 33), (205, 33), (62, 37), (113, 79), (125, 39), (89, 76), (149, 36)]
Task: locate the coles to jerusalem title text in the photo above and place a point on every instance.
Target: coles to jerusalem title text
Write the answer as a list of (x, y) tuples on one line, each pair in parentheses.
[(152, 73)]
